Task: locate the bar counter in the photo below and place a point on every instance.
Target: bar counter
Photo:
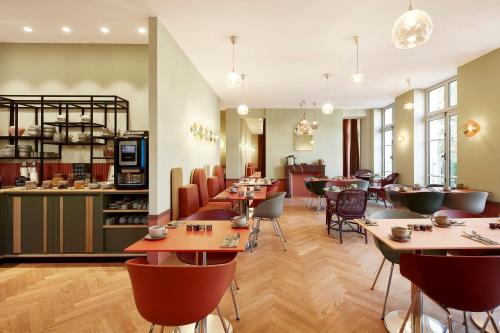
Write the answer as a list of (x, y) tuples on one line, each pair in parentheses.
[(69, 222)]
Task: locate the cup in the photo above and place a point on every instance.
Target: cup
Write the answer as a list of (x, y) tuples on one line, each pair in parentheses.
[(250, 195), (400, 232), (446, 188), (239, 221), (441, 220), (157, 231)]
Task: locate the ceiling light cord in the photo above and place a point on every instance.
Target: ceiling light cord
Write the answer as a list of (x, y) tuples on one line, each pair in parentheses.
[(357, 54), (410, 7)]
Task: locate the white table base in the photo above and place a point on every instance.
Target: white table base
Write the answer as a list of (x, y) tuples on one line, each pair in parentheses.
[(214, 325), (393, 321), (478, 318)]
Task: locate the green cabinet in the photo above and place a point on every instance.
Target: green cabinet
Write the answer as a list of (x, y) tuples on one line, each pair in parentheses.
[(45, 224)]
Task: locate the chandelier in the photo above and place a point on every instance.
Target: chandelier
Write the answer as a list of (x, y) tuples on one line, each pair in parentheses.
[(303, 127), (412, 29), (233, 79)]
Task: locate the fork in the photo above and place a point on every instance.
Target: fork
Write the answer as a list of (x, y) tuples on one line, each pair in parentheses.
[(484, 238)]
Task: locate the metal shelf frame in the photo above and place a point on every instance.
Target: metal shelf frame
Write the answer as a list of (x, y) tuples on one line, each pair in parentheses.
[(63, 104)]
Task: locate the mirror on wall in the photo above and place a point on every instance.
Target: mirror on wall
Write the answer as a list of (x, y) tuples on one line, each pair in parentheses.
[(304, 142)]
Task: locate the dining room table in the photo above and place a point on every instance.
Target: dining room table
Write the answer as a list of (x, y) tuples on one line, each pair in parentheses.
[(449, 238), (241, 197), (179, 239), (252, 181)]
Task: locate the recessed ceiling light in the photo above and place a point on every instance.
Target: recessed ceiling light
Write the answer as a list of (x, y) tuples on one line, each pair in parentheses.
[(142, 30), (104, 30), (27, 29), (66, 29)]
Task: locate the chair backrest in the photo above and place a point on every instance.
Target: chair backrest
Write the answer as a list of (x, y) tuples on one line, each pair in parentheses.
[(387, 252), (395, 214), (272, 189), (212, 214), (459, 282), (199, 178), (454, 213), (426, 203), (361, 184), (363, 172), (219, 173), (318, 186), (351, 203), (390, 179), (271, 208), (178, 295), (472, 202), (189, 202)]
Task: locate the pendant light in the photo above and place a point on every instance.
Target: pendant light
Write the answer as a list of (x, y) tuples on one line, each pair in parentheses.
[(357, 77), (327, 108), (314, 124), (233, 79), (409, 105), (303, 127), (242, 108), (412, 29)]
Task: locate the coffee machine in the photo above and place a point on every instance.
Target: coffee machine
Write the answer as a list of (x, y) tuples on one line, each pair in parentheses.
[(131, 160)]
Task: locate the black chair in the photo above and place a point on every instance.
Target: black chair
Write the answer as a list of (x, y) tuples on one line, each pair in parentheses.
[(350, 205)]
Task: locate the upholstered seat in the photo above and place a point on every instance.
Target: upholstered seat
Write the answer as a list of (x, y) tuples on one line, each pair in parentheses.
[(219, 173), (198, 178)]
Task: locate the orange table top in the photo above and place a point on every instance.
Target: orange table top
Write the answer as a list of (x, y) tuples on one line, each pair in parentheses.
[(180, 240), (226, 194)]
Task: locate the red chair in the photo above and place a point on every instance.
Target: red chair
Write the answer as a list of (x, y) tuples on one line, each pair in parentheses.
[(350, 205), (456, 214), (219, 173), (468, 284), (198, 178), (178, 295), (213, 258), (377, 189)]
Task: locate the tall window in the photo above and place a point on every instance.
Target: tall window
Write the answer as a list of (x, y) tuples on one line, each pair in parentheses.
[(442, 133), (387, 140)]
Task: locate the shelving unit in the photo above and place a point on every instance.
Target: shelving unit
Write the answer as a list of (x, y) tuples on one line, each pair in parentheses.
[(124, 226), (125, 211), (41, 105)]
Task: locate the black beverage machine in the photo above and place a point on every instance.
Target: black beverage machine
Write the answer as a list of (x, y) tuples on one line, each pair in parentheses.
[(131, 160)]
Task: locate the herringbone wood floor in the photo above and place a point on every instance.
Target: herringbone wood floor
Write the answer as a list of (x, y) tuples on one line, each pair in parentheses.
[(318, 285)]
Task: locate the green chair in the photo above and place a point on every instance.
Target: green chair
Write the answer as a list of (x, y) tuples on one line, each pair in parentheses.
[(425, 203), (318, 189), (388, 253)]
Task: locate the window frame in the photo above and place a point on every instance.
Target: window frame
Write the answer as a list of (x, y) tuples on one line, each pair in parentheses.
[(445, 113), (386, 128)]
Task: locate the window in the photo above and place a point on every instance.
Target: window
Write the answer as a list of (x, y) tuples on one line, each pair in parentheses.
[(442, 123), (387, 139)]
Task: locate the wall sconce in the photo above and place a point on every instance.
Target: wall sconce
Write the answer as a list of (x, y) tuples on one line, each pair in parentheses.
[(471, 128), (203, 133), (400, 139)]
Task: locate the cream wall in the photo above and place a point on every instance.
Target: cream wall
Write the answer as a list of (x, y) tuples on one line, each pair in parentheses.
[(83, 69), (280, 124), (179, 96), (479, 99)]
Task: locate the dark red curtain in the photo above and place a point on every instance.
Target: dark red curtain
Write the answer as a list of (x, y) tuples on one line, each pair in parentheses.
[(261, 147), (351, 146)]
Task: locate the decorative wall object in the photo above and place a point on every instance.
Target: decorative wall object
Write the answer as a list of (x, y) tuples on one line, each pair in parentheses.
[(203, 133), (471, 128)]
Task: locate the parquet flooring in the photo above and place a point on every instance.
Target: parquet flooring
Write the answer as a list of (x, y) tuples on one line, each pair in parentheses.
[(318, 285)]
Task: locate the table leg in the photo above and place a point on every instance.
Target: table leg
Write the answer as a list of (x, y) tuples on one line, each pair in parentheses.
[(479, 318), (246, 208)]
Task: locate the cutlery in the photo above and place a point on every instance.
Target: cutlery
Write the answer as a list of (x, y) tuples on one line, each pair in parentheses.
[(466, 235), (484, 238)]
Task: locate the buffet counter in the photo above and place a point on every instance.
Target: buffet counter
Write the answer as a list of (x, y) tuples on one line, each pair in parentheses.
[(70, 222)]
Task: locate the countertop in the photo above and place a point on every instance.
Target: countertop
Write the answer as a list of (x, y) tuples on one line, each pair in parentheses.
[(39, 190)]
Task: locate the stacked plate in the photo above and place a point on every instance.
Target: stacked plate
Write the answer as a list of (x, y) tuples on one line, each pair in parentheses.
[(34, 130), (24, 150), (7, 151), (48, 131)]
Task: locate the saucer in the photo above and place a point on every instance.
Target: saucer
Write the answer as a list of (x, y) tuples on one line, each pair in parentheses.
[(148, 237), (245, 226), (391, 237), (442, 225)]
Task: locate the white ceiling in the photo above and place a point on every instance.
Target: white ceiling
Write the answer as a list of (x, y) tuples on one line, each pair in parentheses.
[(284, 45)]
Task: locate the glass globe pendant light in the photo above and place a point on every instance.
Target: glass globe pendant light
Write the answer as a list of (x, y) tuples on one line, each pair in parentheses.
[(412, 29), (357, 77), (242, 108), (409, 105), (314, 123), (327, 108), (233, 79)]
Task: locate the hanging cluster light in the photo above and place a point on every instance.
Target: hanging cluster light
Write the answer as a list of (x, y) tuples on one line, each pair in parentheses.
[(327, 108), (233, 79), (412, 29), (303, 127), (357, 77)]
